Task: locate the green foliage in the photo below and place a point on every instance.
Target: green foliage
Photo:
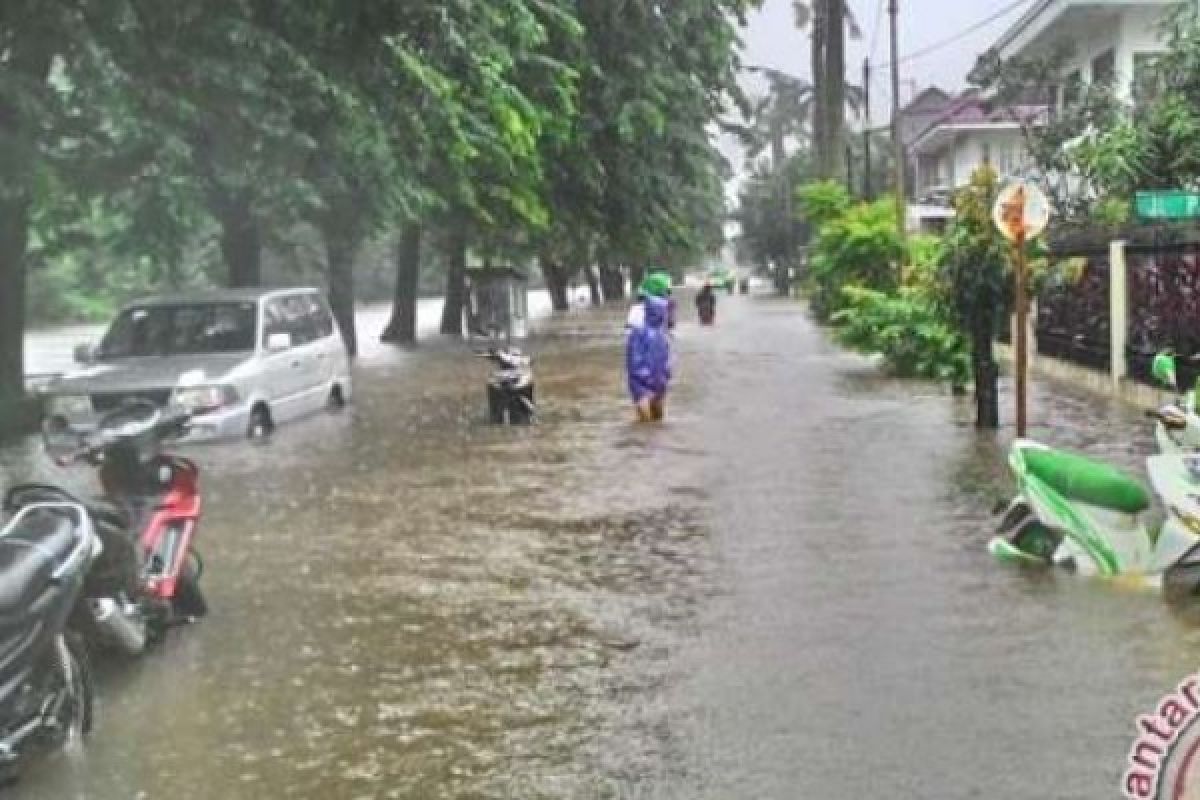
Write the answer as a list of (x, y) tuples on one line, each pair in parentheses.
[(1096, 153), (908, 329), (823, 202), (922, 268), (861, 247)]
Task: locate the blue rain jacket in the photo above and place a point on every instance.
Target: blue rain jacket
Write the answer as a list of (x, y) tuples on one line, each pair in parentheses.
[(648, 353)]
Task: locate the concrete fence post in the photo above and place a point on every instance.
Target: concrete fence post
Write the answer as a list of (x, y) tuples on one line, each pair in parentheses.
[(1118, 310)]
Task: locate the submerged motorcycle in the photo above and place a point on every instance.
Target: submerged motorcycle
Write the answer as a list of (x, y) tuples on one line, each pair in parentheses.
[(1091, 518), (510, 387), (147, 579), (1177, 425), (46, 551)]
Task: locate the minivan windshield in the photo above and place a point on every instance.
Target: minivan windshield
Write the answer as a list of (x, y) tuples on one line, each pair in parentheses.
[(180, 329)]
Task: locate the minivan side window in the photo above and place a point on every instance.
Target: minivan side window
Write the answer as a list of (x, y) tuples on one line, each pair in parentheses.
[(321, 316), (275, 320), (300, 322)]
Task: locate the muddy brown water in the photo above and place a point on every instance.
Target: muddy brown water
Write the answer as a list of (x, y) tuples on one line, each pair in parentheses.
[(781, 593)]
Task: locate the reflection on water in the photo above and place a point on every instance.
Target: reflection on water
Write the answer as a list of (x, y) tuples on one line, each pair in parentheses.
[(783, 592)]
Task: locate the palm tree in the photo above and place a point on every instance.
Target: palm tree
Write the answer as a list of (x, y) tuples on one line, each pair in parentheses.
[(828, 22), (785, 112)]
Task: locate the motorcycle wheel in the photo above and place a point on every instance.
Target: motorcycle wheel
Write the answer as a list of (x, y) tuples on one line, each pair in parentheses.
[(189, 600), (1036, 540), (75, 671), (496, 404)]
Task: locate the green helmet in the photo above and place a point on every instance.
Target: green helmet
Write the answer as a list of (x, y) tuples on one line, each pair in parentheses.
[(656, 284), (1163, 369)]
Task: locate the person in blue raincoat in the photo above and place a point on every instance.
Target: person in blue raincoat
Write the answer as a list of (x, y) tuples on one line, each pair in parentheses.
[(648, 361)]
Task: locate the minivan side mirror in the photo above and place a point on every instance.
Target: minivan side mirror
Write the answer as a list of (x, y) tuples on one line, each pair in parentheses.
[(278, 342), (84, 353)]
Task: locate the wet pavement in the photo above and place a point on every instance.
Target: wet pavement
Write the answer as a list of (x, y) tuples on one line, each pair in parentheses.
[(783, 592)]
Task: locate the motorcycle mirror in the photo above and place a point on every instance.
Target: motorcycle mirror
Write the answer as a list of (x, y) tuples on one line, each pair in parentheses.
[(1163, 370)]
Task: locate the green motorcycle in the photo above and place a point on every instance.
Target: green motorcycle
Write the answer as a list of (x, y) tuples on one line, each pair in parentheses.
[(1088, 517)]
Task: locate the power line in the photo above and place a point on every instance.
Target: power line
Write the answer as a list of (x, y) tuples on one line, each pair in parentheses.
[(964, 33)]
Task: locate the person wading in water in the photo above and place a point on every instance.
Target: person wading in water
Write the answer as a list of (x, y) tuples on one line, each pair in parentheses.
[(648, 361)]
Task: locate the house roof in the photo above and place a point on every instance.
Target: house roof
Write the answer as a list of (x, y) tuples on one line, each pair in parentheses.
[(1046, 12), (968, 113), (927, 100)]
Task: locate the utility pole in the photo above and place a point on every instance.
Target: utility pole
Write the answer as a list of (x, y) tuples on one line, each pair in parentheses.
[(867, 130), (897, 143)]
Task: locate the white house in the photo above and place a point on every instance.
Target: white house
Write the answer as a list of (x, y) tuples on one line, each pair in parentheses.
[(1111, 41), (964, 137)]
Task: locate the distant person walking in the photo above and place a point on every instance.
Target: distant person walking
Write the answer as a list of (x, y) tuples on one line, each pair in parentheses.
[(648, 361), (706, 304)]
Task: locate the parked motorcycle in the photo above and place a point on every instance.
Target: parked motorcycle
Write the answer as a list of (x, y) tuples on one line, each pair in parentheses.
[(1177, 425), (46, 551), (147, 579), (510, 387), (1091, 518)]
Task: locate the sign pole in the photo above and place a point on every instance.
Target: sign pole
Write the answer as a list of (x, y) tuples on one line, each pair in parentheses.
[(1022, 342), (1021, 212)]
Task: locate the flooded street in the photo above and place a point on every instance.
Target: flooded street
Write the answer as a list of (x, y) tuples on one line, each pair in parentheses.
[(782, 593)]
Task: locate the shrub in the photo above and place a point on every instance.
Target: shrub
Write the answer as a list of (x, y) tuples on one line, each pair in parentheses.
[(823, 202), (909, 329), (860, 247)]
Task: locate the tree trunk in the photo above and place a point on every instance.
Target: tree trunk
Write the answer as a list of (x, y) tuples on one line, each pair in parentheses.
[(636, 276), (402, 328), (456, 288), (556, 283), (593, 285), (241, 242), (339, 262), (14, 233), (612, 280), (28, 61), (987, 390), (820, 110), (835, 90)]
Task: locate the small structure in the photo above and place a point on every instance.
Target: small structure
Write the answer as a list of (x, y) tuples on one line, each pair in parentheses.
[(497, 307)]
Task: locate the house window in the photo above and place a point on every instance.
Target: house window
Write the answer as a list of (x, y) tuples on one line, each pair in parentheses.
[(1104, 69), (1072, 90), (1147, 81), (986, 151)]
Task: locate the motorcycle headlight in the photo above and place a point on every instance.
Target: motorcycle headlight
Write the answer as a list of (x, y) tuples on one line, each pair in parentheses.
[(69, 405), (201, 399), (1189, 520)]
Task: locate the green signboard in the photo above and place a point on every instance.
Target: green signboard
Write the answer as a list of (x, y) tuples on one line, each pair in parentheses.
[(1167, 204)]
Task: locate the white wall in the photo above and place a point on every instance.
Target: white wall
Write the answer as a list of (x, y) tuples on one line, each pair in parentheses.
[(1126, 31), (957, 162)]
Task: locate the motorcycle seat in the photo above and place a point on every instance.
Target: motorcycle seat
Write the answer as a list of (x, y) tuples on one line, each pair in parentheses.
[(1087, 481), (29, 556)]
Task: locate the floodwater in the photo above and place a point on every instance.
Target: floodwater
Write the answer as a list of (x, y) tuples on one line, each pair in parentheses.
[(783, 592)]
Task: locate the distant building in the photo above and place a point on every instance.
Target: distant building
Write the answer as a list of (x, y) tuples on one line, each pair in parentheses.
[(1113, 42), (967, 135)]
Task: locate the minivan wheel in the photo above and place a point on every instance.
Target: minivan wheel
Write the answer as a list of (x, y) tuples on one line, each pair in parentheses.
[(337, 400), (260, 425)]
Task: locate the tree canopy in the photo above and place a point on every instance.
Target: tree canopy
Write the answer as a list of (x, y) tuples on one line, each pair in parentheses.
[(146, 144)]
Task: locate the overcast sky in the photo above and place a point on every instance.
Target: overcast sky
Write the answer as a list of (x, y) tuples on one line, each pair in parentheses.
[(771, 40)]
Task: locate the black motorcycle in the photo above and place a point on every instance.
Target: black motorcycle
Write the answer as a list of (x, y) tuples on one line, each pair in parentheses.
[(510, 387), (46, 550)]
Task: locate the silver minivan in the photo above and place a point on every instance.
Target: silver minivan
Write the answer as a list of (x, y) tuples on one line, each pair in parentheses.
[(242, 361)]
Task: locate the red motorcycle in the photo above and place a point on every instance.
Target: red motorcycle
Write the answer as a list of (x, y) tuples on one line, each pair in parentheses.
[(146, 580)]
